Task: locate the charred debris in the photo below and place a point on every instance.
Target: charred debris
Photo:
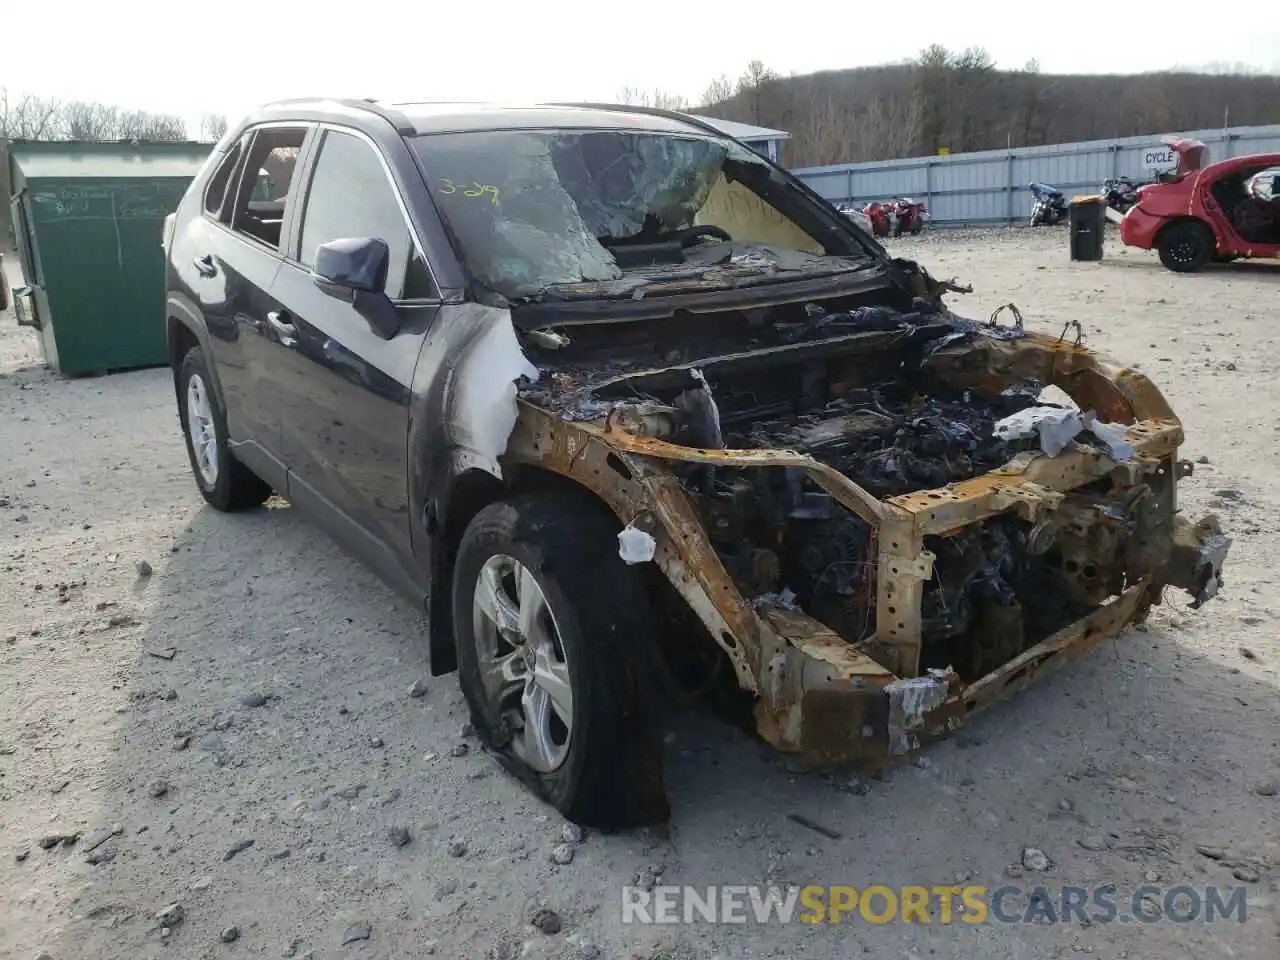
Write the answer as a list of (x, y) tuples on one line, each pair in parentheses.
[(852, 387)]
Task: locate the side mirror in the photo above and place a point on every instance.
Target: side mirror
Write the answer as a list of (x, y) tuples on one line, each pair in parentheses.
[(354, 269)]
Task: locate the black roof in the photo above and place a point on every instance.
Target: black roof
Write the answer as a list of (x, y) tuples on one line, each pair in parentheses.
[(413, 118)]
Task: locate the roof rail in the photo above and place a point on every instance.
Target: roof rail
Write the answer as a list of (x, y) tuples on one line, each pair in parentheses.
[(394, 117), (649, 111)]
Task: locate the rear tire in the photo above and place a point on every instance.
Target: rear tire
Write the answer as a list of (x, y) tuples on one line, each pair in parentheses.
[(226, 483), (1186, 246), (604, 767)]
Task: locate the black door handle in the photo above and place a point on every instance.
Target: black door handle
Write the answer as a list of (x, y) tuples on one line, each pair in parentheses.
[(205, 266), (285, 331)]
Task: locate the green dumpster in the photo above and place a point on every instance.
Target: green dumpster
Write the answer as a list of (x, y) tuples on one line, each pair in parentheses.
[(88, 220)]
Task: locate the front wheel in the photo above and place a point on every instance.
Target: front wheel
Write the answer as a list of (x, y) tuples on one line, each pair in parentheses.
[(555, 658), (1186, 246)]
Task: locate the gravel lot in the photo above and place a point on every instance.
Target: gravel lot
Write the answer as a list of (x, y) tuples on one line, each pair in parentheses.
[(257, 776)]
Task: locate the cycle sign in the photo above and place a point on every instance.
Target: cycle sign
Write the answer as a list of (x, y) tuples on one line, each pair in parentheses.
[(1159, 158)]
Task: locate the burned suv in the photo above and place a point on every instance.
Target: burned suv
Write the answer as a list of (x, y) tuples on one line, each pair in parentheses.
[(627, 407)]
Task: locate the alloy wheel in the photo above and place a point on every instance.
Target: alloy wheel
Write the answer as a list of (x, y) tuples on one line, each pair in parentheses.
[(523, 665), (201, 430)]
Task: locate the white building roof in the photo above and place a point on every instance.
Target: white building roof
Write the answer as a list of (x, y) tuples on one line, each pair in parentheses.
[(744, 131)]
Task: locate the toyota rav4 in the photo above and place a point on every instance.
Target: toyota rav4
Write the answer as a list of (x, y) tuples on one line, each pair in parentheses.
[(627, 408)]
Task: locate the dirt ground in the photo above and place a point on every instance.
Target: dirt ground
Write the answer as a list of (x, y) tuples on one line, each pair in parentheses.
[(256, 776)]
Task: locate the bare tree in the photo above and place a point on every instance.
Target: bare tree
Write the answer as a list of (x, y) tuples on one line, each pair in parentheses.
[(28, 117), (140, 125), (718, 91), (754, 85), (89, 121), (656, 98), (213, 126)]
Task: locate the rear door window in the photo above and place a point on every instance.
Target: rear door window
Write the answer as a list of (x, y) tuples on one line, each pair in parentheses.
[(351, 195), (262, 193)]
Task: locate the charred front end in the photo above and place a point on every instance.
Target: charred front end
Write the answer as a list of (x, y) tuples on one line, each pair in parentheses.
[(884, 517)]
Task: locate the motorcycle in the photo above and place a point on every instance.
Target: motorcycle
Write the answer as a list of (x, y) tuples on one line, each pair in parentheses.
[(1049, 204), (900, 216), (1120, 193), (878, 214), (909, 216)]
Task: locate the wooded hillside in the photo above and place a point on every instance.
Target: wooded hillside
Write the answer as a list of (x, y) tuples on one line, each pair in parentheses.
[(962, 102)]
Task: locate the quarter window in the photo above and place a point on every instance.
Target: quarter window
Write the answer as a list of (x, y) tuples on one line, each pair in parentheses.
[(215, 193), (351, 196)]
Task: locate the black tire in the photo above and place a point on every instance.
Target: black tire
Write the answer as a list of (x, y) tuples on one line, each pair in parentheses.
[(1186, 246), (236, 487), (611, 775)]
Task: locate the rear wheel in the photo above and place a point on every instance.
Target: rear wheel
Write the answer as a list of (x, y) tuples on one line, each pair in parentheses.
[(1186, 246), (554, 658), (225, 482)]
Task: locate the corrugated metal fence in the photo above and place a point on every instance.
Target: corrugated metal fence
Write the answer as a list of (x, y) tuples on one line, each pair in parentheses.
[(991, 186)]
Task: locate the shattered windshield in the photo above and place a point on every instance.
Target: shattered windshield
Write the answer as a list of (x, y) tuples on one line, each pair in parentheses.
[(530, 210)]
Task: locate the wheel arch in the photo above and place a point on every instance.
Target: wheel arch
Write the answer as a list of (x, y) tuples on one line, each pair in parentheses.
[(468, 494), (184, 329), (1181, 219)]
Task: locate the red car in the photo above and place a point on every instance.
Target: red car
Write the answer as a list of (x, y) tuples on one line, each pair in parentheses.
[(1208, 212)]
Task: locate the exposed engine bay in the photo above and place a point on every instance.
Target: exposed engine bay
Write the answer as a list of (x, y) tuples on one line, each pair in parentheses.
[(859, 390)]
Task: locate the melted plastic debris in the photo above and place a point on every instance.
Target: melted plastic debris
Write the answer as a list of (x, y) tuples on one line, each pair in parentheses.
[(910, 698), (784, 598), (485, 398), (1057, 427), (1110, 435), (1213, 552), (635, 546)]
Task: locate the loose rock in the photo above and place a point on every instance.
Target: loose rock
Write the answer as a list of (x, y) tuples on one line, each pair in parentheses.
[(143, 568), (1245, 873), (229, 934), (1093, 842), (399, 836), (459, 750), (171, 915), (419, 688), (1248, 654), (1034, 859), (252, 700), (356, 932), (1228, 493), (446, 888), (456, 848), (158, 788), (212, 743), (562, 853), (572, 833), (238, 847), (548, 921), (351, 792), (1212, 852), (1268, 788), (101, 855), (376, 742)]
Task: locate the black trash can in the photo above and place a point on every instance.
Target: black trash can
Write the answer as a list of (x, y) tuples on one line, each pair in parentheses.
[(1087, 219)]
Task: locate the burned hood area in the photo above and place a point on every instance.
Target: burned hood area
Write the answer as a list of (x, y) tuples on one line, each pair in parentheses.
[(857, 383)]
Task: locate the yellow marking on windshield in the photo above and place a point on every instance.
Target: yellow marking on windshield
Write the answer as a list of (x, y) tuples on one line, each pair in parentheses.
[(473, 191)]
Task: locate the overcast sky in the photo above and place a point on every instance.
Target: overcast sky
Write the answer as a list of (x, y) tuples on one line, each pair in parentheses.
[(226, 56)]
